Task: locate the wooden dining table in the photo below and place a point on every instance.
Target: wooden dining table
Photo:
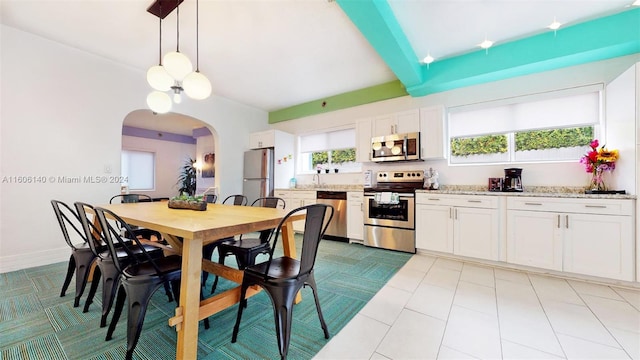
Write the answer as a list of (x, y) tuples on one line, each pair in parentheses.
[(198, 228)]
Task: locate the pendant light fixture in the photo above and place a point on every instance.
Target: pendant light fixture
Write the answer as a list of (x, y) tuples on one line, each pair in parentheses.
[(175, 71)]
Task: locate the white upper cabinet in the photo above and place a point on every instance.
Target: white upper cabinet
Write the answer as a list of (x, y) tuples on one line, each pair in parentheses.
[(432, 136), (396, 123), (262, 139), (363, 140)]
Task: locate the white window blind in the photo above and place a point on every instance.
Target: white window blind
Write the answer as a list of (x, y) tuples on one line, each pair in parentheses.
[(139, 168), (566, 111), (333, 140)]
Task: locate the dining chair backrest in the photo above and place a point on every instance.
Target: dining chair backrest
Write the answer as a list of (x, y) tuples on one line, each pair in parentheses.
[(318, 217), (87, 216), (115, 242), (270, 202), (236, 199), (211, 198), (131, 198), (67, 218)]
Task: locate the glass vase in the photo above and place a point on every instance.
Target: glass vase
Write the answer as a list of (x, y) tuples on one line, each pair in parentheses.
[(597, 181)]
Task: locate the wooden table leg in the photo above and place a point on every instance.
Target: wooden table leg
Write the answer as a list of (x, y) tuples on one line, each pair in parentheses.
[(189, 299), (289, 246)]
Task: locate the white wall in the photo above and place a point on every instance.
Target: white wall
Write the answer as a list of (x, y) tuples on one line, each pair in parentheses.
[(61, 114), (552, 174), (169, 156)]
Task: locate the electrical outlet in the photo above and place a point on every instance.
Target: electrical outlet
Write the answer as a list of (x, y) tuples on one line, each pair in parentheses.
[(107, 169)]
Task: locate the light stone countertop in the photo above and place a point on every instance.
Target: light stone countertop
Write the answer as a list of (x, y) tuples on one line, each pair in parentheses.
[(532, 191)]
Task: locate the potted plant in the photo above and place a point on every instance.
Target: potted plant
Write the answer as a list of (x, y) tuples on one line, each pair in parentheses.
[(187, 178)]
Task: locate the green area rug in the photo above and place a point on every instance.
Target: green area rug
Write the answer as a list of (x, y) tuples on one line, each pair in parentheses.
[(36, 323)]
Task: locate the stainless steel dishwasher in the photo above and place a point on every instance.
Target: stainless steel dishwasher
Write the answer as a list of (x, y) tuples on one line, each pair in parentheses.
[(337, 229)]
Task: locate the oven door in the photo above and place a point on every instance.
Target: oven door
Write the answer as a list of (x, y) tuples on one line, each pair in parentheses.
[(400, 215)]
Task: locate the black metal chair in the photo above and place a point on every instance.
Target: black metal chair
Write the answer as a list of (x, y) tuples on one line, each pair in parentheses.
[(237, 200), (107, 269), (131, 198), (81, 257), (284, 276), (207, 251), (210, 198), (247, 249), (140, 277)]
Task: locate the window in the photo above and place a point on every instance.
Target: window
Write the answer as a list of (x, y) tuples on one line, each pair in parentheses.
[(138, 167), (329, 150), (550, 127)]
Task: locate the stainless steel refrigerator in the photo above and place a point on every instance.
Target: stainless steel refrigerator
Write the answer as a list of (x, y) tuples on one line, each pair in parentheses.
[(258, 174)]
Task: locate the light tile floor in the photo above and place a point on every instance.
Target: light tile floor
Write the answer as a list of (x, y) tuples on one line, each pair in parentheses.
[(436, 308)]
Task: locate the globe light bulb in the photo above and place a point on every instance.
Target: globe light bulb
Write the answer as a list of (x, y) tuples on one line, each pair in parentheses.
[(159, 79), (177, 65), (197, 86), (159, 102)]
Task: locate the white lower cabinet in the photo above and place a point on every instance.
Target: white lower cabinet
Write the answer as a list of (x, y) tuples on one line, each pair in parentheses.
[(583, 236), (355, 216), (294, 199), (466, 225), (534, 239)]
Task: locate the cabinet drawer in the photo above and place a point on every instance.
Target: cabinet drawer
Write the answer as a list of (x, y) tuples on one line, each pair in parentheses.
[(473, 201), (304, 194), (282, 194), (582, 206), (355, 196)]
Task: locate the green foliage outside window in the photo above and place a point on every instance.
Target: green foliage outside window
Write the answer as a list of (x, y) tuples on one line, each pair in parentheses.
[(321, 157), (525, 140), (488, 144), (337, 157), (553, 139)]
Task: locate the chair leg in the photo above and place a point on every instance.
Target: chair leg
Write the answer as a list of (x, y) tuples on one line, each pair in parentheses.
[(236, 327), (110, 282), (221, 256), (207, 252), (167, 290), (67, 280), (83, 264), (282, 298), (122, 294), (139, 297), (312, 284), (95, 281)]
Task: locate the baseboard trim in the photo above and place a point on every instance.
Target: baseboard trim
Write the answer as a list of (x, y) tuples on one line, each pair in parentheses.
[(29, 260)]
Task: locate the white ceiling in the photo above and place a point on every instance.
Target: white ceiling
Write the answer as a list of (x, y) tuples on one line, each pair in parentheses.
[(273, 54)]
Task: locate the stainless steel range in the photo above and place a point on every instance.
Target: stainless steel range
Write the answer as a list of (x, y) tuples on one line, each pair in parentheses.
[(389, 210)]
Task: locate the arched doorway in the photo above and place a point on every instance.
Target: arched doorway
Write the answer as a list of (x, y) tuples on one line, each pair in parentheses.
[(171, 140)]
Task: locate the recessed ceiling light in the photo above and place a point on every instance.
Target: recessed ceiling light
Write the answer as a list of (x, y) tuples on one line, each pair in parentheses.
[(555, 25), (486, 44), (429, 59)]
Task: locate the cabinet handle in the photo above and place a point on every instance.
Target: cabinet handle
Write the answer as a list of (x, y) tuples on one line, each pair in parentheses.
[(596, 206), (566, 224), (558, 221), (474, 201), (530, 203), (392, 129), (433, 199), (450, 213), (455, 214)]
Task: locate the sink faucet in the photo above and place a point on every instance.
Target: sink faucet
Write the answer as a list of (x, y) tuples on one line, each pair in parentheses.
[(316, 177)]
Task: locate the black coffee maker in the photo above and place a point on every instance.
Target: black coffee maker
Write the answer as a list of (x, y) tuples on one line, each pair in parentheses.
[(512, 180)]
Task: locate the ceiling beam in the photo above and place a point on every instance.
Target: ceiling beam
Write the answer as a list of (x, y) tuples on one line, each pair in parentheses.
[(600, 39), (377, 22)]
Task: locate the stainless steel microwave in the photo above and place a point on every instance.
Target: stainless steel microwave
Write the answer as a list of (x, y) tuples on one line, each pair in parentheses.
[(396, 147)]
